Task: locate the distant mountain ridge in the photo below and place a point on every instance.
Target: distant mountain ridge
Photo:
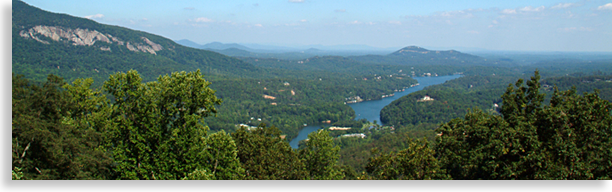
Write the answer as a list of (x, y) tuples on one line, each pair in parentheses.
[(280, 52), (188, 43), (222, 46), (73, 47), (410, 49), (415, 51), (416, 56)]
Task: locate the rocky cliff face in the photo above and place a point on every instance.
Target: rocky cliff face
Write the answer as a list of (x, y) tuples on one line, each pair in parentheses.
[(85, 37)]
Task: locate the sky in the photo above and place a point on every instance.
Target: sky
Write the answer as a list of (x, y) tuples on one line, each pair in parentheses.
[(517, 25)]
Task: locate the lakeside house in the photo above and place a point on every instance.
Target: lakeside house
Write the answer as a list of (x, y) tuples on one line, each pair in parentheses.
[(425, 98), (269, 97), (355, 99), (354, 135), (339, 128), (248, 127)]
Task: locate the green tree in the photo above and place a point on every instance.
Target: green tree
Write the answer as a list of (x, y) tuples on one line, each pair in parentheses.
[(568, 139), (576, 135), (200, 174), (417, 162), (320, 156), (158, 133), (265, 156), (223, 157), (57, 130)]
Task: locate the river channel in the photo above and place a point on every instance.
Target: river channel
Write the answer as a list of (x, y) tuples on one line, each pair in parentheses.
[(370, 110)]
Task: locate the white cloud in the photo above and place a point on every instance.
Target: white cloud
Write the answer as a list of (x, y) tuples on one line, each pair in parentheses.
[(524, 9), (466, 14), (296, 1), (355, 22), (509, 11), (530, 8), (96, 16), (605, 7), (340, 10), (494, 21), (562, 5), (258, 25), (473, 32), (203, 20), (303, 20)]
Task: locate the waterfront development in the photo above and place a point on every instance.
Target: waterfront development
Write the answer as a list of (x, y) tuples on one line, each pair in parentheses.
[(370, 110)]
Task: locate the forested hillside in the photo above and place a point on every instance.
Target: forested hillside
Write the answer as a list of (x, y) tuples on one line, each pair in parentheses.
[(153, 131), (94, 101), (448, 101), (290, 102), (72, 47), (453, 98), (149, 131)]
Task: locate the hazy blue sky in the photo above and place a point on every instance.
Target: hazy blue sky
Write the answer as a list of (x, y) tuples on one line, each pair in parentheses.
[(547, 25)]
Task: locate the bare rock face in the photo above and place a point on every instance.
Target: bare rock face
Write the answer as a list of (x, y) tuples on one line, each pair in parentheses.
[(144, 48), (85, 37)]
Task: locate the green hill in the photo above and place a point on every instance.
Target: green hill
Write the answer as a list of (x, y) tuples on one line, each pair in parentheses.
[(73, 47), (417, 56)]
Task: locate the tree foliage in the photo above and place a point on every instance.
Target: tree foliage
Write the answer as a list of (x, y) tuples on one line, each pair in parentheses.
[(223, 157), (416, 162), (568, 139), (57, 130), (321, 156), (158, 133), (266, 156)]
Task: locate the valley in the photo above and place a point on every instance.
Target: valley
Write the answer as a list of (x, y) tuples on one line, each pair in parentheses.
[(98, 101)]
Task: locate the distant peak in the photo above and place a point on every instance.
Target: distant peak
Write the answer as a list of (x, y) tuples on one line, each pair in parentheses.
[(415, 48), (411, 49)]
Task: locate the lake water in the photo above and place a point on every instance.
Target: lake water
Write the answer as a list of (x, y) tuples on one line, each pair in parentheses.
[(303, 134), (370, 110)]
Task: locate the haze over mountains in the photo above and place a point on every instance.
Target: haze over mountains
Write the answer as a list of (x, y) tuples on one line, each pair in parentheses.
[(275, 48), (91, 49), (411, 55), (162, 109), (285, 52), (72, 47)]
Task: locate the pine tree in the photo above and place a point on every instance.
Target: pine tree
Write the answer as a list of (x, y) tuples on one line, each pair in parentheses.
[(568, 139)]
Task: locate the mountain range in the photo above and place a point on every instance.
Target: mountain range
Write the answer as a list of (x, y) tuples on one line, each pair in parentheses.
[(73, 47), (418, 56)]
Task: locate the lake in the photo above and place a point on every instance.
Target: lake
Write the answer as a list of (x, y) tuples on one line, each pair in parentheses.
[(370, 110), (303, 134)]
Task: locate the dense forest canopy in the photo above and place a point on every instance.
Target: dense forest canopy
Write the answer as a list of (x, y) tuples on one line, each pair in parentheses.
[(124, 104)]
